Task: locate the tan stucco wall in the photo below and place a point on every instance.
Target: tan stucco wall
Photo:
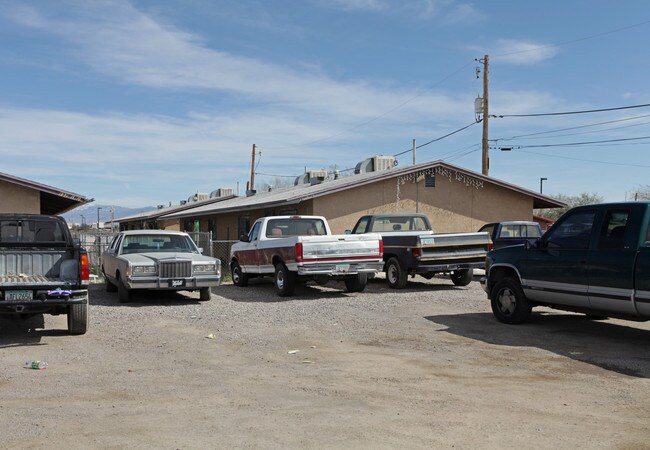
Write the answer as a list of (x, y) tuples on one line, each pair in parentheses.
[(452, 206), (19, 199), (457, 203), (227, 224), (173, 225)]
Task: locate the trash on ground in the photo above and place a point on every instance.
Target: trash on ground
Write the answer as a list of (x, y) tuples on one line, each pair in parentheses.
[(34, 364), (210, 336), (293, 352)]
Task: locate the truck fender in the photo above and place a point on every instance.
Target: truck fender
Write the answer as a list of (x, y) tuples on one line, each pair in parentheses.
[(499, 271)]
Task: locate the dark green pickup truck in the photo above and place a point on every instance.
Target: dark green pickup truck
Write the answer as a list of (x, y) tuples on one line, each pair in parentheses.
[(594, 260)]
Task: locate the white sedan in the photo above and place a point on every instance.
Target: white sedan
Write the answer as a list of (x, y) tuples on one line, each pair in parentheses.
[(159, 260)]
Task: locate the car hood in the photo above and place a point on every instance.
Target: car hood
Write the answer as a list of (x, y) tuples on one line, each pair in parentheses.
[(144, 258)]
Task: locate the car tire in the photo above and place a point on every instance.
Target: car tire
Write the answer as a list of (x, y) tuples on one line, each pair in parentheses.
[(205, 294), (239, 278), (285, 280), (356, 283), (396, 275), (124, 295), (462, 277), (509, 303), (78, 319)]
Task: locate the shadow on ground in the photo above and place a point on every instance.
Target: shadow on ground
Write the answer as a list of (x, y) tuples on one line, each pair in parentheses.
[(611, 345)]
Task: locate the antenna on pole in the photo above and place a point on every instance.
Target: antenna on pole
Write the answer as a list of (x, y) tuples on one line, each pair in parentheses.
[(251, 188)]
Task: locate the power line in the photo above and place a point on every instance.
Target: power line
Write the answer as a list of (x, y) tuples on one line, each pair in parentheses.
[(439, 138), (531, 135), (586, 160), (571, 144), (572, 41), (586, 111)]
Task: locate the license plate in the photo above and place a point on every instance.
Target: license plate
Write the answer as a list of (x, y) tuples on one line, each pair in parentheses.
[(342, 268), (18, 296), (176, 283)]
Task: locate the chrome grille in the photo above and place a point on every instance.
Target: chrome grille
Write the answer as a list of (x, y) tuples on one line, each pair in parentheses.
[(175, 269)]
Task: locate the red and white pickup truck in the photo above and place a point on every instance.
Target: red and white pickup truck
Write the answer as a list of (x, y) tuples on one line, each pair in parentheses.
[(303, 247)]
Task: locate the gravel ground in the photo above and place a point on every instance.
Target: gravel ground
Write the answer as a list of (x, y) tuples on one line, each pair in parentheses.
[(424, 367)]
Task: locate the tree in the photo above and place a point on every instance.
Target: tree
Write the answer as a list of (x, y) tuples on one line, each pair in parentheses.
[(572, 201), (641, 192)]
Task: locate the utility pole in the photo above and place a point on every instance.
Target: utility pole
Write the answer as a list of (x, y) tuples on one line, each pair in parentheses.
[(414, 151), (252, 186), (486, 157)]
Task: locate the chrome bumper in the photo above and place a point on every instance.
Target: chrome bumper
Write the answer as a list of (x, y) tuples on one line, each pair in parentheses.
[(175, 284), (339, 269)]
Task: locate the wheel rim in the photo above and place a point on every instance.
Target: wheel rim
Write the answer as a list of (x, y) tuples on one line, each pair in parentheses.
[(279, 279), (392, 274), (506, 301), (235, 274)]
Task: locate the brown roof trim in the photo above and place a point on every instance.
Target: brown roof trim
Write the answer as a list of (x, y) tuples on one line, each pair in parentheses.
[(156, 213), (297, 194), (53, 200)]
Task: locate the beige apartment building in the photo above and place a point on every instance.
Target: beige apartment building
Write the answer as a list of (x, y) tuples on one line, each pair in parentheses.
[(455, 199)]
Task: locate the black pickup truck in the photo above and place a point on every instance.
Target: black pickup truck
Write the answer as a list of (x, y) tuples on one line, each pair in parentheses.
[(42, 270), (594, 260), (505, 234), (411, 248)]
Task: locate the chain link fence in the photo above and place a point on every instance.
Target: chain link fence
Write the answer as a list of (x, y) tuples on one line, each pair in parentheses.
[(221, 251), (95, 244)]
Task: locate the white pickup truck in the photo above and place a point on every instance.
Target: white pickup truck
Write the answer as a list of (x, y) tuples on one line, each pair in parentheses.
[(302, 247)]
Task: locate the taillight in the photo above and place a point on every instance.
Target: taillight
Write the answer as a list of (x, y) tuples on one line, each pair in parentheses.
[(416, 252), (85, 268), (381, 248), (299, 252), (490, 246)]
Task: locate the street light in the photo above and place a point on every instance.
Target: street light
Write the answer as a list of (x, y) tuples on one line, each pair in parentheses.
[(98, 208), (541, 184)]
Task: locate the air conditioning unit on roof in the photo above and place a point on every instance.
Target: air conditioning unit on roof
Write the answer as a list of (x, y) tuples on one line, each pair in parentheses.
[(221, 192)]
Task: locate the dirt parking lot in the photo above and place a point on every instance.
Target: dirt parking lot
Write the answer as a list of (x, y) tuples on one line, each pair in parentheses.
[(425, 367)]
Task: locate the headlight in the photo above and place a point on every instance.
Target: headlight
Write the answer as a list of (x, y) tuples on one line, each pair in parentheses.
[(205, 268), (144, 270)]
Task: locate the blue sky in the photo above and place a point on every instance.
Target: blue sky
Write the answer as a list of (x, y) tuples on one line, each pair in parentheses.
[(138, 103)]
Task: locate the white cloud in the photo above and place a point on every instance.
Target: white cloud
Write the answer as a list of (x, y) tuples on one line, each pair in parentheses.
[(464, 13), (522, 52), (121, 42)]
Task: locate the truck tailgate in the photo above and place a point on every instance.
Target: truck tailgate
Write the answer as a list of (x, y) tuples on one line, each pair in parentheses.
[(456, 247), (341, 246)]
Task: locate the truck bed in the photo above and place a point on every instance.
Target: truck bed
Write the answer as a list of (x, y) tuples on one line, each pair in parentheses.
[(43, 267)]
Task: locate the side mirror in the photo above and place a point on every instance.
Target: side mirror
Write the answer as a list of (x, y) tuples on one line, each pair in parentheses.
[(244, 238), (348, 231), (529, 244), (200, 250)]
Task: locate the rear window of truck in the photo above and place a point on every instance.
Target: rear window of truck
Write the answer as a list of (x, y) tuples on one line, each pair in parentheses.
[(276, 228), (31, 231)]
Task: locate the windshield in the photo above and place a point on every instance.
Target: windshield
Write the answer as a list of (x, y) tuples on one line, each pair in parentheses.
[(144, 243)]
